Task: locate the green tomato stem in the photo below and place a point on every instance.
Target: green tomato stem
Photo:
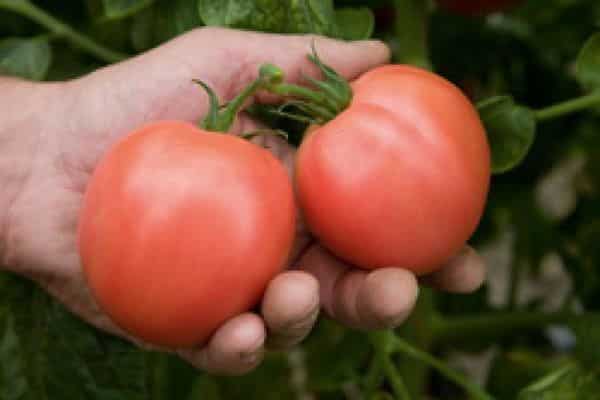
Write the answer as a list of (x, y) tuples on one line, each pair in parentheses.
[(373, 378), (513, 285), (234, 106), (329, 97), (265, 132), (407, 349), (291, 90), (220, 119), (493, 326), (568, 107), (418, 329), (381, 342), (320, 114), (59, 28)]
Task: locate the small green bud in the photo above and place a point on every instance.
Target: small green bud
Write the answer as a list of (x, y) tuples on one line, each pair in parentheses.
[(272, 74)]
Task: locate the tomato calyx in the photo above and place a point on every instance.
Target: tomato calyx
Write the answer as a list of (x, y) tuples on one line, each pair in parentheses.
[(220, 117), (265, 132), (318, 105)]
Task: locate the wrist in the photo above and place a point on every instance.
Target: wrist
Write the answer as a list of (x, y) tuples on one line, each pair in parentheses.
[(25, 108)]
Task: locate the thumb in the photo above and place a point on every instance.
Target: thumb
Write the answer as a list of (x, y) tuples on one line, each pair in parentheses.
[(239, 54), (350, 59)]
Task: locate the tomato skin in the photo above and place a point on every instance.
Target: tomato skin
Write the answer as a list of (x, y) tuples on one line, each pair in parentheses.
[(475, 8), (182, 229), (400, 178)]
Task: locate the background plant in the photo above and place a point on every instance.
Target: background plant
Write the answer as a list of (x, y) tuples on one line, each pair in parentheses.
[(535, 74)]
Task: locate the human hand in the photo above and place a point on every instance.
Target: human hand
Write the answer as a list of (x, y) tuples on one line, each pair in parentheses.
[(82, 118)]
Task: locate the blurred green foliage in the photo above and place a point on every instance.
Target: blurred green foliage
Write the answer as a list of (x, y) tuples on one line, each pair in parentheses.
[(529, 54)]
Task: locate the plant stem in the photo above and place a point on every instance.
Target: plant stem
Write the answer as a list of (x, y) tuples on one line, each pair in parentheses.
[(59, 28), (288, 89), (568, 107), (320, 104), (407, 349), (381, 342), (158, 363), (220, 119), (418, 329), (514, 282), (411, 32), (231, 110), (373, 377), (493, 326)]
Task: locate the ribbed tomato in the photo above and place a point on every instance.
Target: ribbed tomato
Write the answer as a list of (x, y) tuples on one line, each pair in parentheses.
[(400, 178), (182, 229)]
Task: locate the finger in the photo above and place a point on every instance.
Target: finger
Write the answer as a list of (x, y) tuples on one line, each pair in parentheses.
[(235, 349), (290, 308), (386, 298), (465, 273), (349, 59), (344, 298), (377, 299), (326, 269), (361, 299), (289, 52)]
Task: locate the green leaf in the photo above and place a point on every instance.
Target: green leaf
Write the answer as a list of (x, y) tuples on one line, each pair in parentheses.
[(312, 16), (587, 331), (13, 382), (587, 67), (411, 33), (582, 257), (271, 381), (124, 8), (515, 369), (204, 388), (286, 16), (14, 25), (164, 20), (26, 58), (568, 383), (246, 14), (142, 35), (48, 353), (381, 396), (510, 129), (68, 64), (333, 356), (355, 23)]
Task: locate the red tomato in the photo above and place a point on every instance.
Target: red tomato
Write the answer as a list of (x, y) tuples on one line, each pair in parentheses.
[(182, 229), (400, 178), (476, 7)]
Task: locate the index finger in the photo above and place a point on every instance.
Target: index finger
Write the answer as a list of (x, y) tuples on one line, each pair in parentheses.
[(464, 273)]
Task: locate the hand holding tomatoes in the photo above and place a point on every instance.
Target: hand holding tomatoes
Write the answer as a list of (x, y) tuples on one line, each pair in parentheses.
[(102, 107)]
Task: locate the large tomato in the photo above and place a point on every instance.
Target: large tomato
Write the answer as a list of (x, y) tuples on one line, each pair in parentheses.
[(476, 7), (400, 178), (182, 229)]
